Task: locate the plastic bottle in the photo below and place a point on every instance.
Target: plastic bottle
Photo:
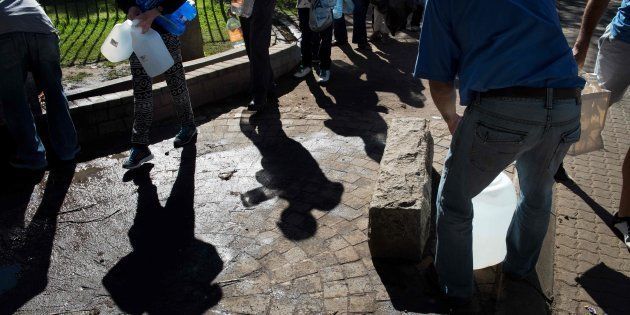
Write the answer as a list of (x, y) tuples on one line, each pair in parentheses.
[(175, 23), (242, 8), (150, 50), (338, 9), (235, 32), (117, 46)]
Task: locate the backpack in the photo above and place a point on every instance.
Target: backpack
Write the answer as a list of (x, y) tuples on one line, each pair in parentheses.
[(321, 16)]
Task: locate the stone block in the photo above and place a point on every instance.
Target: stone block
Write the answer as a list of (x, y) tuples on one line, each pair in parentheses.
[(400, 209)]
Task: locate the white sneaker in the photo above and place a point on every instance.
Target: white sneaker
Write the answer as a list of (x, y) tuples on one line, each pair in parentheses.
[(302, 72), (323, 76), (623, 225)]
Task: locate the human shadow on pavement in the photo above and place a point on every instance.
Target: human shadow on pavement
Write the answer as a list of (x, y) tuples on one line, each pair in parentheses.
[(169, 271), (351, 120), (607, 286), (602, 213), (387, 70), (289, 172), (25, 251)]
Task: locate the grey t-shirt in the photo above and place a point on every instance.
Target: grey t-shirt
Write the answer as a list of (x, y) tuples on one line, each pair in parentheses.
[(24, 16)]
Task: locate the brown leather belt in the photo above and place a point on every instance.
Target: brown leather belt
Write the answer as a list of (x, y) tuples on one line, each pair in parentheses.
[(529, 92)]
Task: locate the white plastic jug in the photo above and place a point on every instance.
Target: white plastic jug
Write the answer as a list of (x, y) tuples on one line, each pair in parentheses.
[(117, 45), (494, 208), (151, 51)]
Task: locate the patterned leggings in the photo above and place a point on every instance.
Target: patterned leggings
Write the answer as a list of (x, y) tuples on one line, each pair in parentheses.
[(143, 93)]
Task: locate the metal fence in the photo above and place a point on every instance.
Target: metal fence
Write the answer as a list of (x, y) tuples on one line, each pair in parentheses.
[(84, 24)]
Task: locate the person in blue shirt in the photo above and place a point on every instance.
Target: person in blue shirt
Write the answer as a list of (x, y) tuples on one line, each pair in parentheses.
[(613, 72), (518, 78)]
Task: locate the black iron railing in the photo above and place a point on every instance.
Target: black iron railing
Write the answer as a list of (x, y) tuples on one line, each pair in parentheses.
[(84, 24)]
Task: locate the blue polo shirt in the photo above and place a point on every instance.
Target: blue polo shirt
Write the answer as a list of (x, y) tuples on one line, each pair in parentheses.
[(620, 25), (495, 44)]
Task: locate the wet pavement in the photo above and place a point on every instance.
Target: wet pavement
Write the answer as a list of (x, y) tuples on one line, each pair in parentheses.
[(267, 213)]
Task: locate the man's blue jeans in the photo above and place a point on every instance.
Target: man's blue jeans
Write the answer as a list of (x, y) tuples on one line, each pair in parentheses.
[(38, 53), (495, 132)]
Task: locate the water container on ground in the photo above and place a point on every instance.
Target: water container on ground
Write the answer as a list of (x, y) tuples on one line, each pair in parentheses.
[(493, 208), (117, 46), (151, 51)]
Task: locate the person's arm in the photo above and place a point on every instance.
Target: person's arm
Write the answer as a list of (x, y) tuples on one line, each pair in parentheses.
[(444, 97), (438, 59), (593, 12)]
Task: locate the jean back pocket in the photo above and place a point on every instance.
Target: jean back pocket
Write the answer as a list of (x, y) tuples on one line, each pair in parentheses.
[(495, 147)]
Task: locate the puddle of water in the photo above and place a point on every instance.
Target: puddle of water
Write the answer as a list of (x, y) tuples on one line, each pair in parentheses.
[(85, 174)]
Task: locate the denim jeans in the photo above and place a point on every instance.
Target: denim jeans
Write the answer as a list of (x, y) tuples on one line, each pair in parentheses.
[(495, 132), (359, 28), (38, 53)]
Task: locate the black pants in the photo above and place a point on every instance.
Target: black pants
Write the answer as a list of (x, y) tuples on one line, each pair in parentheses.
[(314, 44), (359, 29), (257, 35)]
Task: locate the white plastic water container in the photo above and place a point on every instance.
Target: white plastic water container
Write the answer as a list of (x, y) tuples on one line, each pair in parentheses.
[(151, 51), (117, 45), (494, 208)]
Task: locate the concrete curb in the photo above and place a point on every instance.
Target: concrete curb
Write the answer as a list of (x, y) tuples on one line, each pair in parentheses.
[(102, 116), (125, 83)]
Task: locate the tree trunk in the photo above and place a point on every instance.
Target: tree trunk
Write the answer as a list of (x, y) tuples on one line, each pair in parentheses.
[(192, 42)]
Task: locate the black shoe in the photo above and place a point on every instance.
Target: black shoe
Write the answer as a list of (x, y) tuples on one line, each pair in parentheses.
[(562, 176), (138, 155), (339, 43), (454, 304), (185, 136)]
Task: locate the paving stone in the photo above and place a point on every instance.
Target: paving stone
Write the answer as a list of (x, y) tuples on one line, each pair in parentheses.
[(354, 269), (361, 303), (346, 255), (360, 285), (308, 284), (332, 273), (336, 305), (335, 289)]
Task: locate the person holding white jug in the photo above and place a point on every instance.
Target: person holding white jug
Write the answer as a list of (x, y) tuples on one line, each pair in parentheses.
[(142, 85)]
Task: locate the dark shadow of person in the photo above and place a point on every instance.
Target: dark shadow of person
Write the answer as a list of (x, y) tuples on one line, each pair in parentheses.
[(388, 70), (602, 213), (353, 114), (169, 270), (289, 172), (608, 288), (25, 252)]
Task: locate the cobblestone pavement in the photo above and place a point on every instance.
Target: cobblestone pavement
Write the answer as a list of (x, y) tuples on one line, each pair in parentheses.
[(592, 266), (266, 214), (273, 211)]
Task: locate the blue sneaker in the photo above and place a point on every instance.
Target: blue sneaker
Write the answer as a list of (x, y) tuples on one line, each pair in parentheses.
[(137, 156), (185, 136)]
